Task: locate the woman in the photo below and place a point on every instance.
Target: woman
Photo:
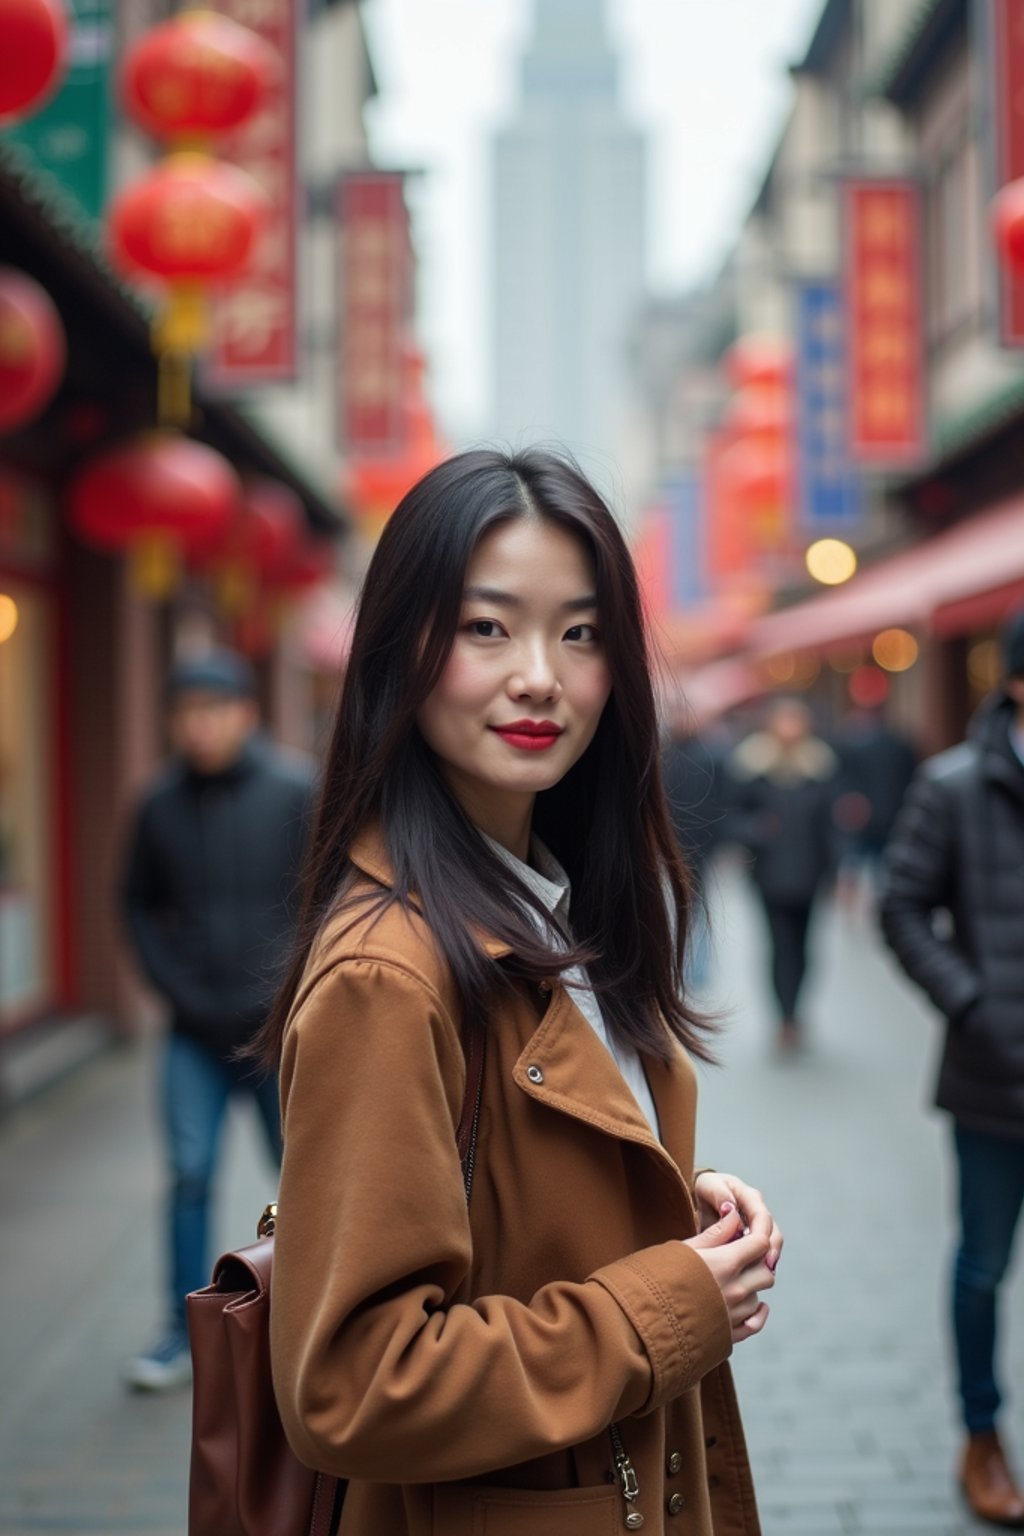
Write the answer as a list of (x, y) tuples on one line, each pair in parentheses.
[(548, 1359)]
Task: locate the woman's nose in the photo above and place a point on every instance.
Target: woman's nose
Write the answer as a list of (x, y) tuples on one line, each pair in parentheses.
[(536, 675)]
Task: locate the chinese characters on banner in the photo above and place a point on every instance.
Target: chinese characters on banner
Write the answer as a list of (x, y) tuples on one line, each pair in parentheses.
[(376, 295), (256, 338), (1005, 71), (828, 487), (882, 230)]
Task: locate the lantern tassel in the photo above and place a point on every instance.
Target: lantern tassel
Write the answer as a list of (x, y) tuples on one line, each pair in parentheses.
[(154, 566), (179, 331), (174, 391)]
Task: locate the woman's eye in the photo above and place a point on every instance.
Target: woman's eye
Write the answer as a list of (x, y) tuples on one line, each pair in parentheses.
[(584, 632), (485, 629)]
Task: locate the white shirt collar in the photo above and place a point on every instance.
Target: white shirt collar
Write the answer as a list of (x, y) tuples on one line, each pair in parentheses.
[(544, 876)]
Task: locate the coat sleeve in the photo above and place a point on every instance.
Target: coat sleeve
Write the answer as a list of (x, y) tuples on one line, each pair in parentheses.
[(379, 1373), (919, 881)]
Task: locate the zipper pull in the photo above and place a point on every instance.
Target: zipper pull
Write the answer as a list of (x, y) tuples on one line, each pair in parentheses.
[(627, 1477)]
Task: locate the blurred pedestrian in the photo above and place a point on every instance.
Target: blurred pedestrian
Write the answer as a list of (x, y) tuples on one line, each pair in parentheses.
[(495, 896), (210, 877), (953, 912), (877, 765), (784, 780)]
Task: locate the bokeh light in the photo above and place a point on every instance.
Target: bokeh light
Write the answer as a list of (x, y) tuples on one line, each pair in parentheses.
[(831, 561), (8, 616), (895, 649)]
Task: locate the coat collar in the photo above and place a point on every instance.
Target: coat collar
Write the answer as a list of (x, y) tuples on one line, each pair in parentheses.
[(369, 853), (578, 1075)]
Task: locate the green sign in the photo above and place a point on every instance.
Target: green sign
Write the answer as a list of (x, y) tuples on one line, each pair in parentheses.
[(68, 138)]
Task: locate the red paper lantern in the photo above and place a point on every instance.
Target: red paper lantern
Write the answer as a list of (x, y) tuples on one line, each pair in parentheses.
[(157, 496), (33, 55), (759, 414), (758, 473), (275, 525), (258, 548), (33, 349), (1008, 223), (190, 219), (759, 360), (310, 564), (196, 75)]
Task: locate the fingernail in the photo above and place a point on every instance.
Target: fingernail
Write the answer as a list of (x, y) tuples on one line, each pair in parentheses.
[(726, 1207), (772, 1261)]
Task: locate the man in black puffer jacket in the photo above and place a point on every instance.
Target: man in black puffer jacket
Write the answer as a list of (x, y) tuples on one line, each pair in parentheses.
[(208, 897), (953, 911)]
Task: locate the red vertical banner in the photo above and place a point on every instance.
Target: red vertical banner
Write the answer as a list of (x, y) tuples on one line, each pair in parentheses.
[(652, 558), (730, 550), (885, 319), (256, 333), (375, 311), (1004, 38)]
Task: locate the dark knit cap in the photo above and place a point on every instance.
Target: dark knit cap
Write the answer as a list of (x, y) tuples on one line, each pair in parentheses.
[(219, 671), (1012, 641)]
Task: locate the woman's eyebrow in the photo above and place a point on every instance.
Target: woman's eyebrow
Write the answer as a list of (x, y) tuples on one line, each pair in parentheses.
[(509, 599)]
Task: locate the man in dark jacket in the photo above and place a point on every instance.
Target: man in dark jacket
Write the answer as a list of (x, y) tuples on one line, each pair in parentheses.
[(783, 786), (953, 911), (208, 898)]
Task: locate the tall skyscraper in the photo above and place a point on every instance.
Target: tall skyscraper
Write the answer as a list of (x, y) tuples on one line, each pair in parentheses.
[(569, 241)]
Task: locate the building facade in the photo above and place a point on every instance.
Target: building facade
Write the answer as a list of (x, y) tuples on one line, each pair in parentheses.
[(569, 220)]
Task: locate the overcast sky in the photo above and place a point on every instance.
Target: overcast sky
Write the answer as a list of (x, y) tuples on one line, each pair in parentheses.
[(705, 78)]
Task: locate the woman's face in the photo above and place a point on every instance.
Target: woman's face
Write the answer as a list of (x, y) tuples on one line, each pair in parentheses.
[(523, 689)]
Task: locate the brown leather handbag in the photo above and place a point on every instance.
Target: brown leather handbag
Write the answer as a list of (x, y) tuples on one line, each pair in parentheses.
[(244, 1477)]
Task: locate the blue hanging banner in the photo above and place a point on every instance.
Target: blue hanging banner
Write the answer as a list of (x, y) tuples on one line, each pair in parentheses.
[(682, 496), (829, 491)]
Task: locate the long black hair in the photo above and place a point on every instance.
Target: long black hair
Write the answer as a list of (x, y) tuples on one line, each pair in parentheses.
[(606, 820)]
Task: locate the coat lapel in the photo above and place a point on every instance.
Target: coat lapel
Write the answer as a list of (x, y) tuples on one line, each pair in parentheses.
[(567, 1067)]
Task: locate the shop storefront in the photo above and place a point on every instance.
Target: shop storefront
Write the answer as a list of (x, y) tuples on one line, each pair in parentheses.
[(83, 653)]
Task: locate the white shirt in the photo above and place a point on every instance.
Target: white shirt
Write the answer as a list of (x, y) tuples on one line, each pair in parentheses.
[(550, 883)]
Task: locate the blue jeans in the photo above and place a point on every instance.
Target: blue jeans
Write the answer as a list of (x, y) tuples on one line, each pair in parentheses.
[(991, 1195), (197, 1087)]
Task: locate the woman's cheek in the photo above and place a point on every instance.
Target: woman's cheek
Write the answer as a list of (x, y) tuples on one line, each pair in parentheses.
[(464, 680)]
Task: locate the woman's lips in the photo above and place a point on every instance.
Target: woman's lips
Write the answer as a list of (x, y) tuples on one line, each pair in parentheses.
[(528, 738)]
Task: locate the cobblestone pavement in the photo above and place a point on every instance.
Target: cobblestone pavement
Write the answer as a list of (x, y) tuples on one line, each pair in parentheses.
[(845, 1395)]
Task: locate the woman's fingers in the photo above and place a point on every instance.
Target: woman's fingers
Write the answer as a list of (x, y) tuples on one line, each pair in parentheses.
[(751, 1325), (728, 1229)]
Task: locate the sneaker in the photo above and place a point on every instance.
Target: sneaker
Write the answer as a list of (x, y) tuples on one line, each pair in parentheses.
[(167, 1365)]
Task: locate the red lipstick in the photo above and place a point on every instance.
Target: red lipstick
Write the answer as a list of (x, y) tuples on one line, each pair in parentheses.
[(529, 735)]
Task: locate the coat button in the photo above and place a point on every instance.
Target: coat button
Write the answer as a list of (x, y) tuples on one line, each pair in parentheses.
[(675, 1504), (674, 1464), (544, 986), (535, 1074)]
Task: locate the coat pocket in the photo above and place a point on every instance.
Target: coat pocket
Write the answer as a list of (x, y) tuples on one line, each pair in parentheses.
[(461, 1510)]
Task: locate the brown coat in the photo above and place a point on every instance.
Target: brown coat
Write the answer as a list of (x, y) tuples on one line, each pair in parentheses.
[(462, 1368)]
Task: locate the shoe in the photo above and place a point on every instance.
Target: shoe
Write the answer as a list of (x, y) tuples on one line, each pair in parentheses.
[(988, 1483), (167, 1365)]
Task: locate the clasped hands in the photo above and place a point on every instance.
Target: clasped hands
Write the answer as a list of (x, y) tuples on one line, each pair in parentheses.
[(741, 1244)]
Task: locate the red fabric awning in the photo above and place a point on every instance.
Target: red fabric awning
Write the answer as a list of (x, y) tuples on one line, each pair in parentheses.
[(968, 576)]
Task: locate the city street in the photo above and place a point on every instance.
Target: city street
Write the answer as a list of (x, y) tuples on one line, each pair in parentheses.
[(845, 1395)]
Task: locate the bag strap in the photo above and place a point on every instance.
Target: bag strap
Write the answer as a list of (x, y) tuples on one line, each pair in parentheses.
[(465, 1136)]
